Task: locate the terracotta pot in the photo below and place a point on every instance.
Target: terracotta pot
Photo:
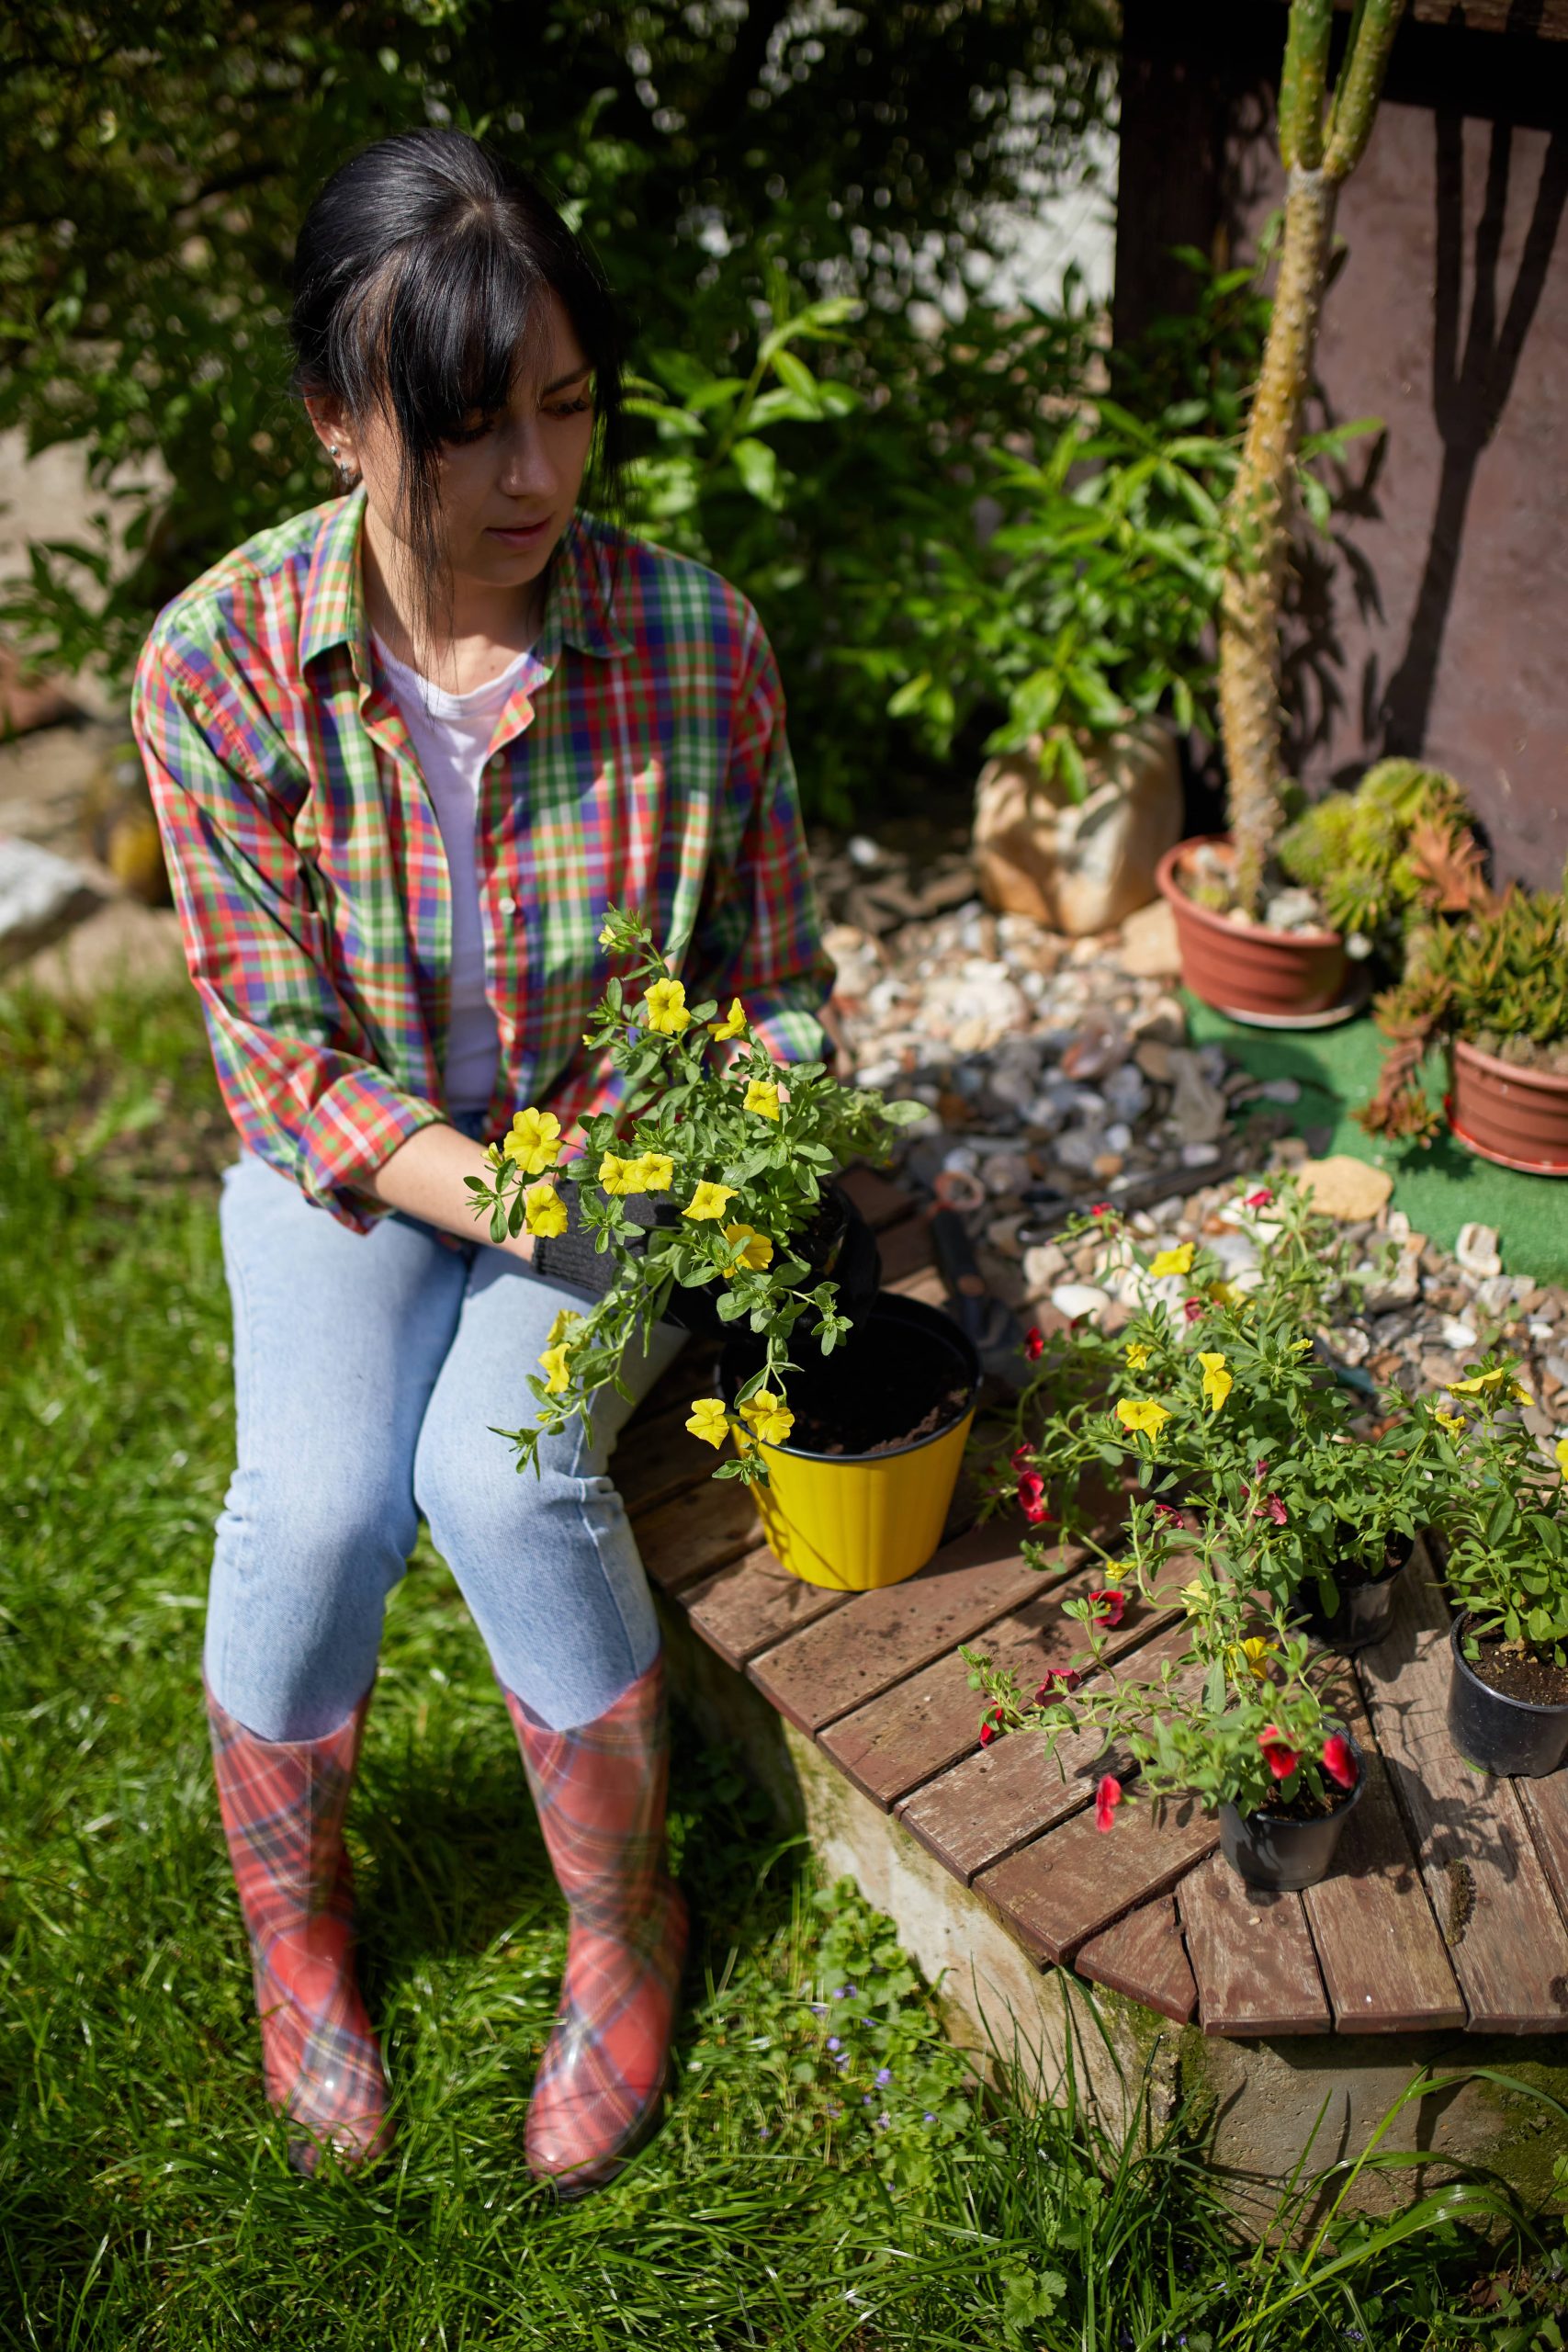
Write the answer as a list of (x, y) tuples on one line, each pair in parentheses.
[(1518, 1117), (1242, 970)]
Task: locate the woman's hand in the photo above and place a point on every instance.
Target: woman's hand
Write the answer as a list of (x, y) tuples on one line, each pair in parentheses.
[(424, 1179)]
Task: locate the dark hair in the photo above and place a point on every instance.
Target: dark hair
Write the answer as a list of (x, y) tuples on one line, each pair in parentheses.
[(418, 275)]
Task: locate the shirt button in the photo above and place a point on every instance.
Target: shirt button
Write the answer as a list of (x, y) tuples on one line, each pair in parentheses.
[(508, 905)]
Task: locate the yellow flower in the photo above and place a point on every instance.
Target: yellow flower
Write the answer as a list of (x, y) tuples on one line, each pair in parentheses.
[(658, 1172), (560, 1329), (734, 1022), (533, 1142), (492, 1155), (1142, 1415), (1454, 1421), (1477, 1384), (1302, 1347), (769, 1417), (1227, 1294), (1521, 1393), (1173, 1261), (1252, 1656), (708, 1420), (545, 1210), (1561, 1450), (667, 1013), (1217, 1382), (1137, 1355), (709, 1200), (608, 936), (554, 1362), (756, 1249), (620, 1175), (1196, 1596), (762, 1097)]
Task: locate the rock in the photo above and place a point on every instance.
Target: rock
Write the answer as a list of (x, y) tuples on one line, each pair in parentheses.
[(1076, 1299), (1079, 1148), (1476, 1251), (1200, 1155), (1280, 1089), (1078, 868), (1148, 948), (1293, 910), (1345, 1188), (1154, 1060), (1351, 1346), (1198, 1112), (121, 945), (1494, 1295), (41, 896), (865, 854), (1455, 1334), (1399, 1289), (1126, 1093), (1161, 1023), (1557, 1371), (1106, 1165), (1101, 1048), (26, 703), (1007, 1172), (1044, 1264)]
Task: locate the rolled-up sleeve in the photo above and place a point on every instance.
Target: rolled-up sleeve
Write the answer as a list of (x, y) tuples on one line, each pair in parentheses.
[(295, 1064), (758, 934)]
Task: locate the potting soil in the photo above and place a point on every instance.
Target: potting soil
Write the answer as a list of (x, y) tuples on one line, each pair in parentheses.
[(1519, 1674)]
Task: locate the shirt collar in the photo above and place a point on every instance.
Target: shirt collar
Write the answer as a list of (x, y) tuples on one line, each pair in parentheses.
[(579, 605)]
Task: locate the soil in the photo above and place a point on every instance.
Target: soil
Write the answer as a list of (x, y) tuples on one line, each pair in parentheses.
[(1305, 1806), (1519, 1674), (887, 1387)]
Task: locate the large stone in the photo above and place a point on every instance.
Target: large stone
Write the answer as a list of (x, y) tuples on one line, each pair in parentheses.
[(1345, 1188), (1084, 867), (41, 897), (1149, 949)]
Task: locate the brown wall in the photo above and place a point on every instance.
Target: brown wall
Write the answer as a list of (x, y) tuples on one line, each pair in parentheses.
[(1439, 624)]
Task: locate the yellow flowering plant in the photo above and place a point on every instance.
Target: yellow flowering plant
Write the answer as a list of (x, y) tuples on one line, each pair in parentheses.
[(726, 1155)]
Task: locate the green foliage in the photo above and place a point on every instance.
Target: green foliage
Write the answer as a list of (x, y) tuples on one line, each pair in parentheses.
[(722, 162), (1506, 1520), (145, 2201), (700, 1137), (1388, 857), (1499, 980)]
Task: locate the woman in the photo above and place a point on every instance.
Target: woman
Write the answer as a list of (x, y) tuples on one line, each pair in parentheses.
[(404, 749)]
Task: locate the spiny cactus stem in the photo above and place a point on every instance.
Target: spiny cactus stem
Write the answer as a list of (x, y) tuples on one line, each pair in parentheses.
[(1260, 516)]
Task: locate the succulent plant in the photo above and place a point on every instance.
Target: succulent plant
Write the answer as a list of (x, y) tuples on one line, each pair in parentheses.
[(1389, 855)]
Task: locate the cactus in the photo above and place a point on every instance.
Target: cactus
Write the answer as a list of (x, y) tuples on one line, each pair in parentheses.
[(1389, 857), (1320, 144)]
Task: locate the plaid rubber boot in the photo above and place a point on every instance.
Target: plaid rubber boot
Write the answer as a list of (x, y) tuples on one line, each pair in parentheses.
[(601, 1792), (282, 1804)]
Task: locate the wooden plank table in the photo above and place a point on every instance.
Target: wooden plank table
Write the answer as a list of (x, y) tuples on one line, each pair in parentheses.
[(1446, 1910)]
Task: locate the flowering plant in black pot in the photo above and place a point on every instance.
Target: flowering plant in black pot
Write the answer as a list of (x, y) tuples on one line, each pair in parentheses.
[(1232, 1721), (1506, 1532)]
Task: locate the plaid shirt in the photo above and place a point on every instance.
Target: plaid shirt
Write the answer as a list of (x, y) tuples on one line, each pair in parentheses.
[(641, 759)]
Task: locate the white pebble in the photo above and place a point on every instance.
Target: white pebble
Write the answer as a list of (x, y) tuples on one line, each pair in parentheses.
[(1455, 1334), (1073, 1299)]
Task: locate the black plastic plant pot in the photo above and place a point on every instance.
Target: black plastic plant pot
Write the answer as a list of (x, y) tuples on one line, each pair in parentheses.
[(1365, 1611), (1273, 1851), (1513, 1737)]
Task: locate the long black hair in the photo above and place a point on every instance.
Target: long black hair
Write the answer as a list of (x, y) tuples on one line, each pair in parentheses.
[(419, 275)]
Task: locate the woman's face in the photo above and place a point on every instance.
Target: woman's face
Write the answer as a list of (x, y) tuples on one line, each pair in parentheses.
[(508, 487)]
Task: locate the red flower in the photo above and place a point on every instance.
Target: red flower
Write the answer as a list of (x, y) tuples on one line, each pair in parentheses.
[(1275, 1506), (1337, 1761), (1022, 1455), (1110, 1605), (1167, 1510), (1032, 1498), (1067, 1675), (1107, 1797), (1034, 1343), (1282, 1760), (1258, 1468), (989, 1731), (1260, 1199), (1192, 1308), (1102, 1209)]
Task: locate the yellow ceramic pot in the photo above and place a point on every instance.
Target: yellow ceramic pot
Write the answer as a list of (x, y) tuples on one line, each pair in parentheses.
[(857, 1522)]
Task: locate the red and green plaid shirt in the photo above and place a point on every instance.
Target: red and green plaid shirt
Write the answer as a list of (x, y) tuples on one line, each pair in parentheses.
[(641, 759)]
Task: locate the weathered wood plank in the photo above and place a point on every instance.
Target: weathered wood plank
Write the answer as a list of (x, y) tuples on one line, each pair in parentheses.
[(659, 1459), (999, 1799), (696, 1532), (691, 1375), (879, 1637), (1143, 1955), (905, 1250), (1507, 1943), (1251, 1955), (923, 1725), (1055, 1893), (925, 1285), (1545, 1807), (1379, 1947), (881, 1201), (752, 1604)]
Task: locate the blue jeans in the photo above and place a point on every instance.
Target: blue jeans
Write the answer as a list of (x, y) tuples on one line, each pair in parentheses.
[(370, 1373)]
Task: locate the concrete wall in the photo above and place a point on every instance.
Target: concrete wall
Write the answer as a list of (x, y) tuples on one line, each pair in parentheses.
[(1437, 625)]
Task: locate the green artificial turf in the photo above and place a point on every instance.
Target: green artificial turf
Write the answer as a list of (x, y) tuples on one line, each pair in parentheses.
[(1440, 1186), (829, 2175)]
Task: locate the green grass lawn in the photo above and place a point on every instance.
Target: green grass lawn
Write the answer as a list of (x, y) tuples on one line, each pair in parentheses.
[(798, 2195)]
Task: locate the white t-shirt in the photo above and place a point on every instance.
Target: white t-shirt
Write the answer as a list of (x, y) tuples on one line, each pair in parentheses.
[(451, 734)]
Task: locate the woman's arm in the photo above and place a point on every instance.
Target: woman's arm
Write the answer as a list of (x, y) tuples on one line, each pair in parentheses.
[(424, 1179)]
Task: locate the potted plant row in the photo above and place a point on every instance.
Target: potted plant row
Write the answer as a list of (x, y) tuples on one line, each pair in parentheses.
[(714, 1175), (1279, 1514)]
